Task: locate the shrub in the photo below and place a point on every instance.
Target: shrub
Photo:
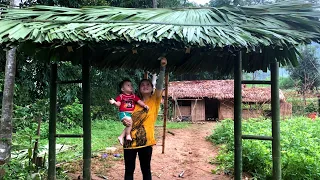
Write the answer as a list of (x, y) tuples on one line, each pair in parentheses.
[(300, 148), (71, 115), (25, 116)]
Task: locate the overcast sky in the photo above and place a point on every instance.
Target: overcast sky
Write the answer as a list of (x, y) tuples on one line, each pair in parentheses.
[(199, 1)]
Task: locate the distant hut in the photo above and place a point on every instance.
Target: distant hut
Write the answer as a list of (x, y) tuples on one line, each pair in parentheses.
[(213, 99)]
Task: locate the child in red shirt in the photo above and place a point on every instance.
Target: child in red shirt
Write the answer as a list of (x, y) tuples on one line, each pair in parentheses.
[(126, 102)]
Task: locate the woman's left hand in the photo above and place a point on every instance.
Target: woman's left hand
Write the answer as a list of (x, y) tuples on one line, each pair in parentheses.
[(163, 61)]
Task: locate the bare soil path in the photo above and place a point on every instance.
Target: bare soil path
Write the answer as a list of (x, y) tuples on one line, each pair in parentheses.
[(186, 151)]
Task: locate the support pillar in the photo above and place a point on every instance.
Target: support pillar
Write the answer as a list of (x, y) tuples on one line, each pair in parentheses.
[(52, 123), (275, 111), (237, 117), (86, 118)]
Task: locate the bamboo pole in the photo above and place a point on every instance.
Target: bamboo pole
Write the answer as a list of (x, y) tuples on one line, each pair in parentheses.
[(165, 111), (86, 119), (275, 111), (52, 123), (237, 118)]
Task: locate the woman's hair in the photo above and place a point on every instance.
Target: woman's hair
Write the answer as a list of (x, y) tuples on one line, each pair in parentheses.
[(121, 84), (139, 93)]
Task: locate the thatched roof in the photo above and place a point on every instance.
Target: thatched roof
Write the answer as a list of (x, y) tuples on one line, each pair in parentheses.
[(135, 38), (218, 89)]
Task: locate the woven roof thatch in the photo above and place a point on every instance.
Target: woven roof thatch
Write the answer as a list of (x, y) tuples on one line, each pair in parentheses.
[(218, 89), (264, 33)]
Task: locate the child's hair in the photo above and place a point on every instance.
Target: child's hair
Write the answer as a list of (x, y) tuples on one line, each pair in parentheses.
[(121, 84)]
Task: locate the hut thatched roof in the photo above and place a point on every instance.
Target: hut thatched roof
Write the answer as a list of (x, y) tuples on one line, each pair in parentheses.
[(218, 89), (191, 39)]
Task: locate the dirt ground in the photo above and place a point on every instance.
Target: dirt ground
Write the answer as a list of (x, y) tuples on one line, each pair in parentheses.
[(186, 151)]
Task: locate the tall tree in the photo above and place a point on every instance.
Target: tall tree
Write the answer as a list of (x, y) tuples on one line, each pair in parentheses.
[(7, 101), (247, 2), (154, 3), (306, 75)]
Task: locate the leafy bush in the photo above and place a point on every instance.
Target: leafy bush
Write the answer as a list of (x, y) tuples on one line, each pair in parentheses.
[(21, 165), (25, 116), (311, 107), (300, 148), (298, 107), (71, 115), (286, 83)]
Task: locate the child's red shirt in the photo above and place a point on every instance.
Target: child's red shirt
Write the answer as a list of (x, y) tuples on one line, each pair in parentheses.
[(128, 102)]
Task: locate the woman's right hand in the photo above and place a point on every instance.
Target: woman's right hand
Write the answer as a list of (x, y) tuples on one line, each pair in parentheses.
[(127, 122)]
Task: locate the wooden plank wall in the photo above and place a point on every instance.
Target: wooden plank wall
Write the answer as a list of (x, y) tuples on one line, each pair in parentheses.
[(198, 110)]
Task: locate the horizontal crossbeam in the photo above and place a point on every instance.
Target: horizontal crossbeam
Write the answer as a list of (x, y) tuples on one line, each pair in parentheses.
[(69, 82), (255, 82), (69, 135), (257, 137)]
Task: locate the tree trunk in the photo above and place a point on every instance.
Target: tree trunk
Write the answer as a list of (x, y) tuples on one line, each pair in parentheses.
[(236, 2), (7, 104), (154, 3)]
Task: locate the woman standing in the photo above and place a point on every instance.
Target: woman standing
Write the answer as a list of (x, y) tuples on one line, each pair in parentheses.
[(143, 122)]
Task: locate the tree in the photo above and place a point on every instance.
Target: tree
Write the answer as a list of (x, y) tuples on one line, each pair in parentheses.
[(7, 104), (7, 101), (307, 74), (215, 3), (147, 3), (237, 2)]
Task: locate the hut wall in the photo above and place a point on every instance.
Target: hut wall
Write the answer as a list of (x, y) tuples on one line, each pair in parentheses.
[(198, 110), (226, 110), (249, 113), (182, 111), (285, 109)]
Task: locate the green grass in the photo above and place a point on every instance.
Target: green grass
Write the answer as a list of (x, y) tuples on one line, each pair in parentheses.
[(104, 134), (300, 148)]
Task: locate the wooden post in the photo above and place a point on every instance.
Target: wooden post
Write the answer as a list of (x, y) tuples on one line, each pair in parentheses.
[(275, 113), (165, 111), (237, 118), (36, 144), (86, 118), (145, 76), (52, 123)]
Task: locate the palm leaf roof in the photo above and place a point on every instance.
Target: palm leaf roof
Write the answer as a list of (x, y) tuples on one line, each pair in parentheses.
[(191, 39)]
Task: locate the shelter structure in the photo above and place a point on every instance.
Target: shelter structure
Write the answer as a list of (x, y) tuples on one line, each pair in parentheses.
[(206, 100), (227, 39)]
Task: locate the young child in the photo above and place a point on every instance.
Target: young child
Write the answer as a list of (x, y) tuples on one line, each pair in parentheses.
[(126, 102)]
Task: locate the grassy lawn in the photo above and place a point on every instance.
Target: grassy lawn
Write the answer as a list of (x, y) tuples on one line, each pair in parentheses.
[(104, 134)]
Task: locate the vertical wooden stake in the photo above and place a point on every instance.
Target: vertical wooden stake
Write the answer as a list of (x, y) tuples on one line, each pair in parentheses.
[(145, 76), (165, 111)]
